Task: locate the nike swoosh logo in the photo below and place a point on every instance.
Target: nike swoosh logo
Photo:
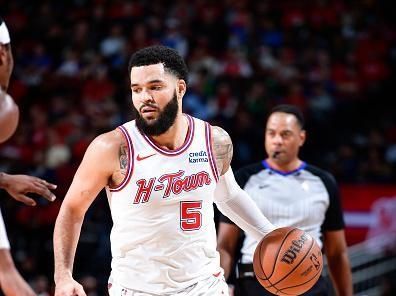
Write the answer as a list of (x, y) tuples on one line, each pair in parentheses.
[(139, 158)]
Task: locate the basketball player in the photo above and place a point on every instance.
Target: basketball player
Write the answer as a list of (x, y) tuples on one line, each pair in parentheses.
[(162, 172), (289, 192), (11, 282)]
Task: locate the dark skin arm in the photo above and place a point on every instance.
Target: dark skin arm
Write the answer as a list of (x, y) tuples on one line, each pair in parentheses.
[(18, 186), (227, 240), (338, 262)]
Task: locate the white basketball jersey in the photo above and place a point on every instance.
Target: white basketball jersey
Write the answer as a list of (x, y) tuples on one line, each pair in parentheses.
[(4, 243), (163, 237)]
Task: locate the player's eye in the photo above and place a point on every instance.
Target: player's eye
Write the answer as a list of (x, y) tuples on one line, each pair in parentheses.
[(156, 87)]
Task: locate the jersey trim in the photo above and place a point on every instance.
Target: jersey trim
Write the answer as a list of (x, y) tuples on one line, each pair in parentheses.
[(208, 139), (267, 166), (186, 144), (130, 161)]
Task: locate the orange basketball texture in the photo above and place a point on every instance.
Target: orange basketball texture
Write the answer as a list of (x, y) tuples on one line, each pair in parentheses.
[(287, 261)]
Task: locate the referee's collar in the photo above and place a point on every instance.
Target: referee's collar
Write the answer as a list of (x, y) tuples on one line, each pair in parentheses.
[(267, 166)]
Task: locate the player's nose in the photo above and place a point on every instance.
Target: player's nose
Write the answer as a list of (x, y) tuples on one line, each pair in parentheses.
[(146, 96)]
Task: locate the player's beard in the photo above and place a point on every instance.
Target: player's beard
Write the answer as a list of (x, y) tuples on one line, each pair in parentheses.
[(164, 121)]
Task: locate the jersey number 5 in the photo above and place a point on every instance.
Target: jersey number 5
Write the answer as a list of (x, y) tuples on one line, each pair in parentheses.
[(190, 216)]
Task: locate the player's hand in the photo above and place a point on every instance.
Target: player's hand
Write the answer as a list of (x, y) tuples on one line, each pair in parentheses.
[(69, 288), (13, 284), (19, 185)]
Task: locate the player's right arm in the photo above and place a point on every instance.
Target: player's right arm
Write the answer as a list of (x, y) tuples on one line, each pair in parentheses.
[(18, 186), (100, 163)]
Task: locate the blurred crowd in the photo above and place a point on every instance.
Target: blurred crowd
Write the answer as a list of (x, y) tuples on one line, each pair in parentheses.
[(335, 59)]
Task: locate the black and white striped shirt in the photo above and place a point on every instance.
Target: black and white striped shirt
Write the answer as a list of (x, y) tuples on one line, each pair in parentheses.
[(306, 198)]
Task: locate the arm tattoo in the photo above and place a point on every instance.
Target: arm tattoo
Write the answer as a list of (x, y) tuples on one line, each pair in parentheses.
[(123, 156), (222, 148)]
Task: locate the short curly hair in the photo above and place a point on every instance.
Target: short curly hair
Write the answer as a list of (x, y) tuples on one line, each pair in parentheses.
[(170, 58)]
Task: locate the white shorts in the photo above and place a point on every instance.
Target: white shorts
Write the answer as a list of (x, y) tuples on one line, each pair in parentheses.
[(214, 285)]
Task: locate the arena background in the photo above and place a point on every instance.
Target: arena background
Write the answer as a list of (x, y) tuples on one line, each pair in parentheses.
[(335, 59)]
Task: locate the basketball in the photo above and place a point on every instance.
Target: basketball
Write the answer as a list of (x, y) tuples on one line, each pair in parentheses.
[(287, 261), (9, 116)]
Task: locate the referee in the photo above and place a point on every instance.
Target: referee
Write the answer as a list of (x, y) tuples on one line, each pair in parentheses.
[(289, 192)]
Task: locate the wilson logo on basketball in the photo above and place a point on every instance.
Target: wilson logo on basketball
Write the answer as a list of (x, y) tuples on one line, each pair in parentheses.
[(295, 248)]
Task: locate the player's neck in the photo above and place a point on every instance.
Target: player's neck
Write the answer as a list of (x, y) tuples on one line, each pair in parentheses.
[(175, 136), (284, 166)]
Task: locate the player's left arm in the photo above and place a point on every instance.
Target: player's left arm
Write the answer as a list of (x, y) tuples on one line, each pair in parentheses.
[(337, 257), (230, 199), (222, 148)]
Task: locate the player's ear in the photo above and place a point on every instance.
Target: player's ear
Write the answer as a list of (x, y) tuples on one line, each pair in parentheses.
[(181, 88)]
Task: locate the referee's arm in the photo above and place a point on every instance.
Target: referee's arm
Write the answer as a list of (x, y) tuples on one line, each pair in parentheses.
[(227, 241), (335, 246), (338, 262)]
